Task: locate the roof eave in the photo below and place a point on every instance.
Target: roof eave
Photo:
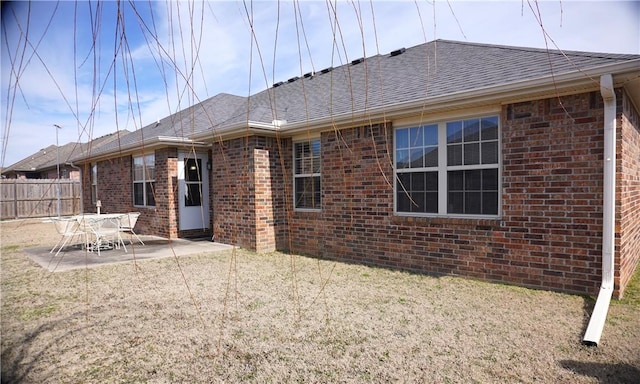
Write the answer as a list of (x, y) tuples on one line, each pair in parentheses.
[(239, 130), (141, 147)]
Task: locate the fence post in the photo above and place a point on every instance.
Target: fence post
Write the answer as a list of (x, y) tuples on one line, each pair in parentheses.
[(15, 199)]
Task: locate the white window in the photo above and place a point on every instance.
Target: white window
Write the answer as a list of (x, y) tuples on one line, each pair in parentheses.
[(94, 183), (449, 168), (306, 175), (144, 181)]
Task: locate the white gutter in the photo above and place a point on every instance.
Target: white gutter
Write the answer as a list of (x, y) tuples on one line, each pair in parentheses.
[(599, 315)]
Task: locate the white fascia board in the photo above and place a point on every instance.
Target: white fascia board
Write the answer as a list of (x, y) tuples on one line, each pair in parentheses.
[(137, 147), (238, 130)]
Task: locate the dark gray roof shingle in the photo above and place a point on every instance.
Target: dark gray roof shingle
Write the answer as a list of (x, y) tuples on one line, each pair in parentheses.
[(429, 70)]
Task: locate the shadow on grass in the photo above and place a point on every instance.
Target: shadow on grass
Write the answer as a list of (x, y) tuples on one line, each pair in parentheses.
[(19, 358), (604, 373)]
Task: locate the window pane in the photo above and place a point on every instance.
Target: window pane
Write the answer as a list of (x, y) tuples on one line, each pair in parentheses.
[(432, 181), (402, 158), (307, 158), (307, 193), (456, 202), (417, 181), (490, 203), (138, 194), (456, 180), (404, 181), (472, 180), (472, 130), (402, 199), (454, 154), (431, 134), (316, 189), (432, 202), (416, 158), (150, 166), (138, 171), (454, 132), (193, 195), (431, 156), (193, 170), (489, 179), (471, 154), (473, 203), (315, 148), (473, 192), (402, 138), (415, 137), (94, 174), (489, 128), (418, 204), (150, 191), (490, 152)]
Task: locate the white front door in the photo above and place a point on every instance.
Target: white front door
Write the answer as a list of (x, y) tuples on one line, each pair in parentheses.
[(193, 190)]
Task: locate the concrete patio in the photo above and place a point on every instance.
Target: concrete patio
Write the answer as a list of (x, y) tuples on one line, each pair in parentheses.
[(76, 257)]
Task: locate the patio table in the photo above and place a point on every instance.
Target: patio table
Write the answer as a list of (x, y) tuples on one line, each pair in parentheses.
[(102, 231)]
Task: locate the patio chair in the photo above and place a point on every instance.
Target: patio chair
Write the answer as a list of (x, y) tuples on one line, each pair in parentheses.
[(127, 223), (68, 229), (106, 233)]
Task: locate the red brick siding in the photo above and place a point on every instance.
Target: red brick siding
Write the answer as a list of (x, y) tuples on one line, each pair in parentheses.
[(628, 191), (163, 220), (115, 192), (248, 193), (552, 192), (549, 236)]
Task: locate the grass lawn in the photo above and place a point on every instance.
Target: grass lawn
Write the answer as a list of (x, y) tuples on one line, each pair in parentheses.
[(237, 316)]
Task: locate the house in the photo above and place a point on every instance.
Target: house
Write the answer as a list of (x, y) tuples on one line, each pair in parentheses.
[(47, 162), (505, 164)]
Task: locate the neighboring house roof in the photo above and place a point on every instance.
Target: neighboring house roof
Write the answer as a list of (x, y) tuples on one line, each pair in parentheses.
[(439, 74), (47, 158)]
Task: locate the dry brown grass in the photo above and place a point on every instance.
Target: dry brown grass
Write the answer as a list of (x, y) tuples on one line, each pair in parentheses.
[(281, 318)]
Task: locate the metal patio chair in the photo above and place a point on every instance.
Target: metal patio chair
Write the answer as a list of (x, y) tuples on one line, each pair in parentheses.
[(105, 232), (68, 229), (127, 223)]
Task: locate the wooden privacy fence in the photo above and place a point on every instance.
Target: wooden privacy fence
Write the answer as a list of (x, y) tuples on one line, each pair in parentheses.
[(38, 198)]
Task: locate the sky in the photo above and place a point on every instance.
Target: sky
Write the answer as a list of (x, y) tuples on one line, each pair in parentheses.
[(96, 67)]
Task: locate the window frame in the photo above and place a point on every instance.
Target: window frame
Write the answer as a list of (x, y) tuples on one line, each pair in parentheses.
[(145, 181), (297, 176), (443, 168)]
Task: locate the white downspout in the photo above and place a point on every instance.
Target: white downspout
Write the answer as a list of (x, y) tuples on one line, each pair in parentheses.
[(599, 315)]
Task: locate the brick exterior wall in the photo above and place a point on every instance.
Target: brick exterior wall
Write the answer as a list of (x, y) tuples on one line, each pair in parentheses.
[(248, 193), (550, 234), (115, 192), (628, 191)]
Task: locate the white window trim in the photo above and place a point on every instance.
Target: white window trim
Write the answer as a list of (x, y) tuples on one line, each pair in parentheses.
[(443, 168), (144, 181), (306, 175)]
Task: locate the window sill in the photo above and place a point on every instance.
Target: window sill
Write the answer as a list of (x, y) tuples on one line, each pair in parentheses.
[(309, 210), (457, 220)]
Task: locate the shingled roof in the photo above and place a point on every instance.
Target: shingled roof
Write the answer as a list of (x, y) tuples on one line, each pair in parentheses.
[(48, 157), (422, 73)]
